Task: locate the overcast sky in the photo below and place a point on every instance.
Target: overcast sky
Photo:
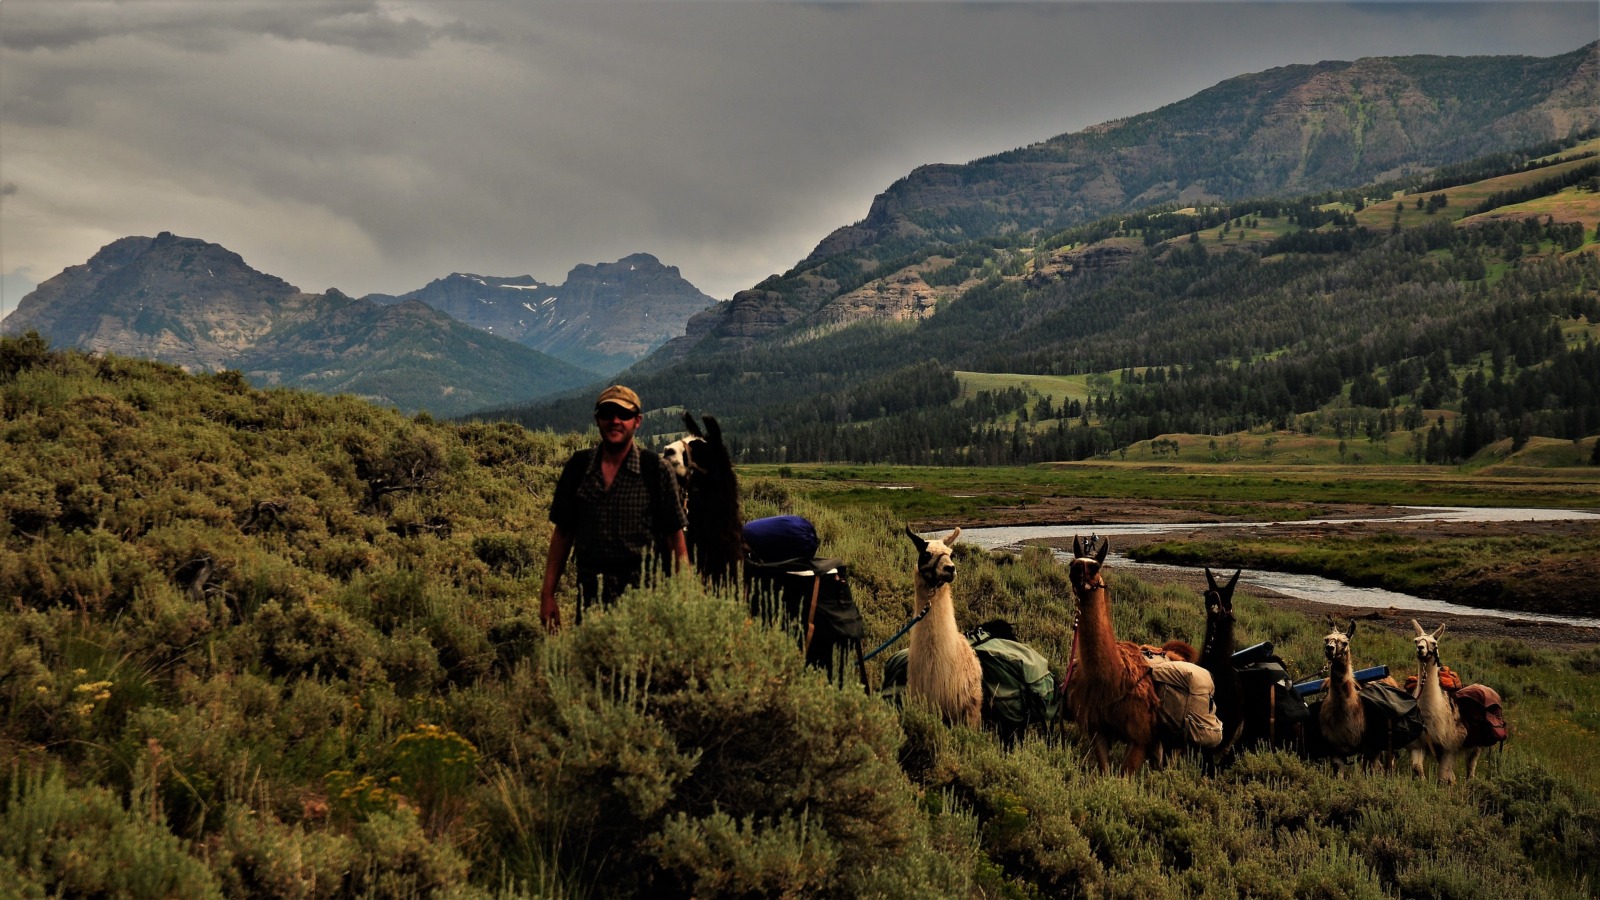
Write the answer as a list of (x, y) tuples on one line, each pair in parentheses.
[(375, 145)]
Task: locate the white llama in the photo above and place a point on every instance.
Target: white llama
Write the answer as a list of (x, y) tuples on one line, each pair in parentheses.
[(941, 665), (1444, 734)]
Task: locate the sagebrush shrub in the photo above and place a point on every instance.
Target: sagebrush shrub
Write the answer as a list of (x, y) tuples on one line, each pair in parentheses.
[(684, 741)]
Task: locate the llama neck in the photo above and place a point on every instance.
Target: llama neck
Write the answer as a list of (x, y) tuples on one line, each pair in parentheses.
[(1429, 692), (941, 618), (1341, 679), (1217, 651), (1096, 639)]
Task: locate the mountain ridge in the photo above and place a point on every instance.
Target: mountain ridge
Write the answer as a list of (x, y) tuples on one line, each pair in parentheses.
[(200, 306), (1296, 128), (603, 318)]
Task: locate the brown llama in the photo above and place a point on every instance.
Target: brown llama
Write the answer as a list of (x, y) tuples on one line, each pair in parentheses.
[(1342, 718), (1444, 731), (1346, 727), (1216, 657), (941, 666), (1111, 692), (711, 498)]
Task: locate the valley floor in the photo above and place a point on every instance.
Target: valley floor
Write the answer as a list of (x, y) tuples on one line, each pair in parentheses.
[(1572, 577)]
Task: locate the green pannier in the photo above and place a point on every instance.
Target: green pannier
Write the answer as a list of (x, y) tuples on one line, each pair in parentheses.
[(1018, 687)]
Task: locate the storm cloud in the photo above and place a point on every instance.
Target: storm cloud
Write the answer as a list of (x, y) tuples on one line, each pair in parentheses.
[(372, 145)]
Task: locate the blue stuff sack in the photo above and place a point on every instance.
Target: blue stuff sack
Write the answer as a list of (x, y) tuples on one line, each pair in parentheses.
[(780, 538)]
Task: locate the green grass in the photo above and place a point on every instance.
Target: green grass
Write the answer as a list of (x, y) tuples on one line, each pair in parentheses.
[(1056, 387), (950, 493)]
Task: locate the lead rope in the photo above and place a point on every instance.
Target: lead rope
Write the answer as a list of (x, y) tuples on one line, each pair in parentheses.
[(1072, 654), (898, 634)]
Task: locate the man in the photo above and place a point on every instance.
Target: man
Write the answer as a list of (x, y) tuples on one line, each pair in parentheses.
[(615, 506)]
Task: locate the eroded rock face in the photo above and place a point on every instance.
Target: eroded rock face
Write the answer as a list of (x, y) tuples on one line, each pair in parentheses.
[(901, 297), (1068, 263)]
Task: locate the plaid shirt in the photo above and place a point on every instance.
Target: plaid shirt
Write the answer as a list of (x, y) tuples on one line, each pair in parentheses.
[(613, 530)]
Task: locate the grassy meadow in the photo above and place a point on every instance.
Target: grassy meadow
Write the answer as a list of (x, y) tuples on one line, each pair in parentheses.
[(271, 644), (1293, 476)]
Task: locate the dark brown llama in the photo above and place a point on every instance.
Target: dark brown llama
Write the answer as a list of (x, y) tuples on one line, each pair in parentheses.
[(1216, 657), (1111, 692), (711, 492)]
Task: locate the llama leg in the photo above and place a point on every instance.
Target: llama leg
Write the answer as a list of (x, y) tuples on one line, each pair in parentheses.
[(1472, 761), (1417, 770), (1135, 758), (1447, 767), (1102, 752)]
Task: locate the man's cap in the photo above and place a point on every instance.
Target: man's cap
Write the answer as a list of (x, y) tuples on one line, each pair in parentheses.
[(621, 396)]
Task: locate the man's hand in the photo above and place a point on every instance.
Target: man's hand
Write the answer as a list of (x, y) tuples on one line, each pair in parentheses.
[(555, 562), (550, 613)]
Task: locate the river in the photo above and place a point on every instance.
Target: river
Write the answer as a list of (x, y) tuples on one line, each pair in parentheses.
[(1305, 587)]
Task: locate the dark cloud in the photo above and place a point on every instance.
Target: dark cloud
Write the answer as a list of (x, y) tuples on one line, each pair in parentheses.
[(374, 145), (367, 26)]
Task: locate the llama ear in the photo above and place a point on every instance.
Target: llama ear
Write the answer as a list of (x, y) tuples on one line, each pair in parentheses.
[(1100, 557), (1211, 580), (713, 430), (1077, 547), (692, 425), (1418, 627), (1439, 632), (950, 541), (1351, 631), (1231, 582), (916, 539)]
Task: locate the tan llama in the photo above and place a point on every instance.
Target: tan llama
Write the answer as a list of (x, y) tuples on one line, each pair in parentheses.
[(1343, 719), (1111, 693), (941, 666), (1444, 734)]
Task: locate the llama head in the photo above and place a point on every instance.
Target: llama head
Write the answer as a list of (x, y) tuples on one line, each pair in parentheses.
[(707, 453), (1219, 598), (1337, 644), (676, 456), (1084, 570), (1427, 644), (935, 564)]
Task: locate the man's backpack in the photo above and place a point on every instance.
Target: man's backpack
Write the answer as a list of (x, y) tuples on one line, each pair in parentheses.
[(1480, 709)]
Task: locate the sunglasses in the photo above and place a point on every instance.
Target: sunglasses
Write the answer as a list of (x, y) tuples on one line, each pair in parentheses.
[(619, 413)]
